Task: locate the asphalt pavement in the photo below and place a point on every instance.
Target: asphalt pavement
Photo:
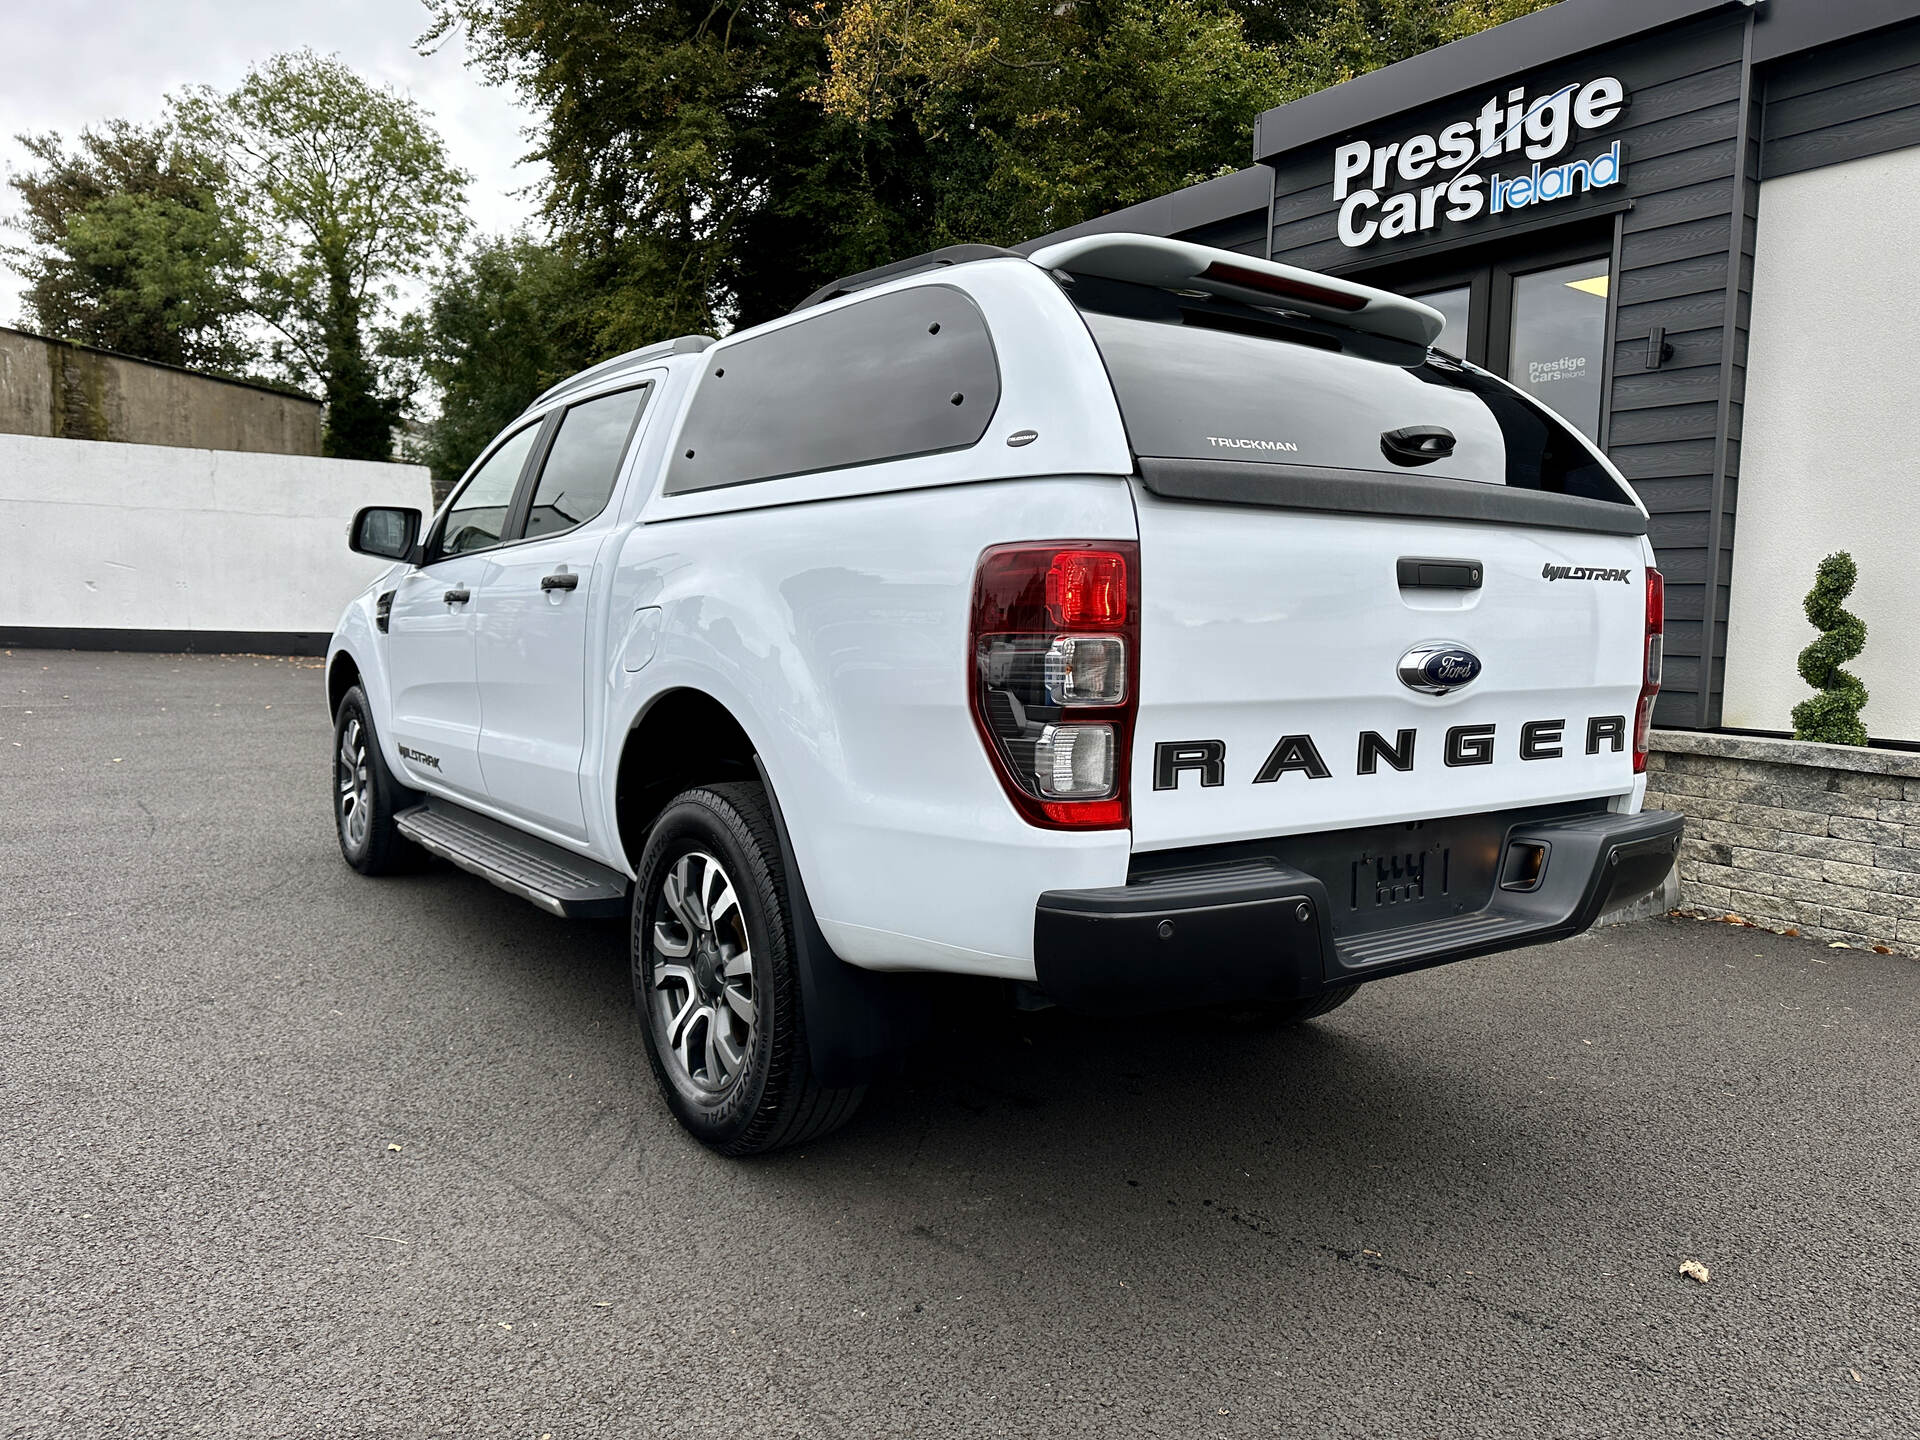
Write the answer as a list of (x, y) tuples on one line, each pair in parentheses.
[(288, 1152)]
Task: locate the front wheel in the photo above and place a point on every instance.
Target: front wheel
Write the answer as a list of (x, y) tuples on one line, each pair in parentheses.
[(366, 797), (716, 979)]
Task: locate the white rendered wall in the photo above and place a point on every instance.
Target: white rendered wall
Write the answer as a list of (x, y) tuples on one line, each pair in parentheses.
[(1828, 459), (150, 537)]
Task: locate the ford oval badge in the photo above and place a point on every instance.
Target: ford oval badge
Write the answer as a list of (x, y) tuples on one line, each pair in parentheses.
[(1438, 669)]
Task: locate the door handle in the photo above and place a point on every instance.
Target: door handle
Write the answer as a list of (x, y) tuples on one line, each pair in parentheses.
[(457, 597), (1417, 444), (565, 580), (1426, 572)]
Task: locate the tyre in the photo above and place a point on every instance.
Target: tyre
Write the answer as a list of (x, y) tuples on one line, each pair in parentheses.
[(366, 796), (717, 981), (1271, 1014)]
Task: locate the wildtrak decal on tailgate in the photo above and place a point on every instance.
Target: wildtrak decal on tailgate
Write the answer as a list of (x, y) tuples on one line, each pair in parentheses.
[(1583, 572), (1461, 745)]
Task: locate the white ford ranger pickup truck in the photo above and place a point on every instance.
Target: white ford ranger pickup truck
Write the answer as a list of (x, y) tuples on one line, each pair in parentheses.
[(1139, 623)]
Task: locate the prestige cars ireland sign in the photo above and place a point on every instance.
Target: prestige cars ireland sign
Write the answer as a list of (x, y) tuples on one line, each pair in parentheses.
[(1411, 185)]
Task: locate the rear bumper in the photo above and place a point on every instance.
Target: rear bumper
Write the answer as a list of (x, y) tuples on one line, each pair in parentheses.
[(1257, 928)]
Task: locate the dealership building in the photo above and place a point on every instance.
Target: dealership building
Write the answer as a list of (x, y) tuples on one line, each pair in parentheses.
[(1691, 227)]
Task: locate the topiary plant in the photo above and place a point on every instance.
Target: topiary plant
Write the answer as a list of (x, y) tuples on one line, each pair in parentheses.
[(1832, 716)]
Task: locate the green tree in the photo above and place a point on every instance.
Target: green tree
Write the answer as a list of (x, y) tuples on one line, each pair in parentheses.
[(504, 324), (1328, 41), (1832, 716), (696, 177), (1042, 116), (131, 246), (712, 164), (346, 191)]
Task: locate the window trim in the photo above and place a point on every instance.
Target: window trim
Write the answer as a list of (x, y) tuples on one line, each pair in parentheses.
[(512, 530)]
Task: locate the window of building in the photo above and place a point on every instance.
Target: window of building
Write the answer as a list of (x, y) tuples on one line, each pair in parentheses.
[(1455, 302), (583, 462), (1558, 340), (1537, 318)]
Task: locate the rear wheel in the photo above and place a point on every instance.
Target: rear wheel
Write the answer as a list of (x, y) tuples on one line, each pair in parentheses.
[(366, 797), (716, 979)]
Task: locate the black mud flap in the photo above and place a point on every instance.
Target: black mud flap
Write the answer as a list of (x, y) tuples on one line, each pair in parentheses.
[(860, 1024)]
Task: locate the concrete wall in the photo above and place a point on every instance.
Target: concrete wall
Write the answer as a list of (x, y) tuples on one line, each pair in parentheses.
[(1829, 459), (145, 538), (49, 387)]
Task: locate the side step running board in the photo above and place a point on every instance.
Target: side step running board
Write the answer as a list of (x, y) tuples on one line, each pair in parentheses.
[(556, 880)]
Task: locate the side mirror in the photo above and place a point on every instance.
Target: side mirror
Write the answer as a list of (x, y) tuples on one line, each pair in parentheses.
[(384, 531)]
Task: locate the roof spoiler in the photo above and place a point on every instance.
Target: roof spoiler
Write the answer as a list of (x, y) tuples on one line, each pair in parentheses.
[(1179, 265)]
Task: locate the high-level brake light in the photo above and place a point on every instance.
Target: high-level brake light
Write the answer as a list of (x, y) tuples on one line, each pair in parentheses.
[(1055, 653)]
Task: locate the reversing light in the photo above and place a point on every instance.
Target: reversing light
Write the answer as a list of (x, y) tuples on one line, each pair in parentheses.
[(1086, 670), (1055, 704)]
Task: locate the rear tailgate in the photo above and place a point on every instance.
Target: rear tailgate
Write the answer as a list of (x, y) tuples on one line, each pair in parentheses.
[(1323, 510), (1273, 640)]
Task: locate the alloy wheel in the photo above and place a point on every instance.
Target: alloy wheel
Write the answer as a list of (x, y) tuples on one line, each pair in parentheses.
[(701, 990), (354, 778)]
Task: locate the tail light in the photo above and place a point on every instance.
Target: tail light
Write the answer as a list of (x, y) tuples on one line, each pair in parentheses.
[(1056, 663), (1652, 657)]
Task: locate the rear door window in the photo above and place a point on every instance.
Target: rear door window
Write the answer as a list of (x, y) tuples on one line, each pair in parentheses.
[(583, 462), (1205, 379)]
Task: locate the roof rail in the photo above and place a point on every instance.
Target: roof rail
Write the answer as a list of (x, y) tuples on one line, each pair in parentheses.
[(633, 359), (1179, 265), (932, 260)]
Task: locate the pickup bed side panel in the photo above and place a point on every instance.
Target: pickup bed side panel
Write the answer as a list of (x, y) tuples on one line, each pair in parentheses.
[(836, 633)]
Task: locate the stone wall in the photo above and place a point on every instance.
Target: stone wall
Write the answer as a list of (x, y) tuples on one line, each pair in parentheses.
[(71, 392), (1822, 839)]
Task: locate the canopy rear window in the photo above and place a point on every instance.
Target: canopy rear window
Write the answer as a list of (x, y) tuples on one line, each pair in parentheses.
[(1201, 378)]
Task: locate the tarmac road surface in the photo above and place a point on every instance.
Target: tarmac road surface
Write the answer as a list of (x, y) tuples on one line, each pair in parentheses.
[(287, 1152)]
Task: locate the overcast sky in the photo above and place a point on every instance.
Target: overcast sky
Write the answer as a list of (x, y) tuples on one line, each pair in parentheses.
[(71, 63)]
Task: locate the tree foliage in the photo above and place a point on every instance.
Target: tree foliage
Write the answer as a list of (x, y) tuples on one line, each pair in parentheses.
[(1044, 115), (713, 163), (697, 178), (500, 329), (132, 246), (1328, 41), (344, 191), (1832, 716)]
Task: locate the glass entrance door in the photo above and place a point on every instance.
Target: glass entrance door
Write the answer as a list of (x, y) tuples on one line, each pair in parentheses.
[(1557, 339), (1539, 320)]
